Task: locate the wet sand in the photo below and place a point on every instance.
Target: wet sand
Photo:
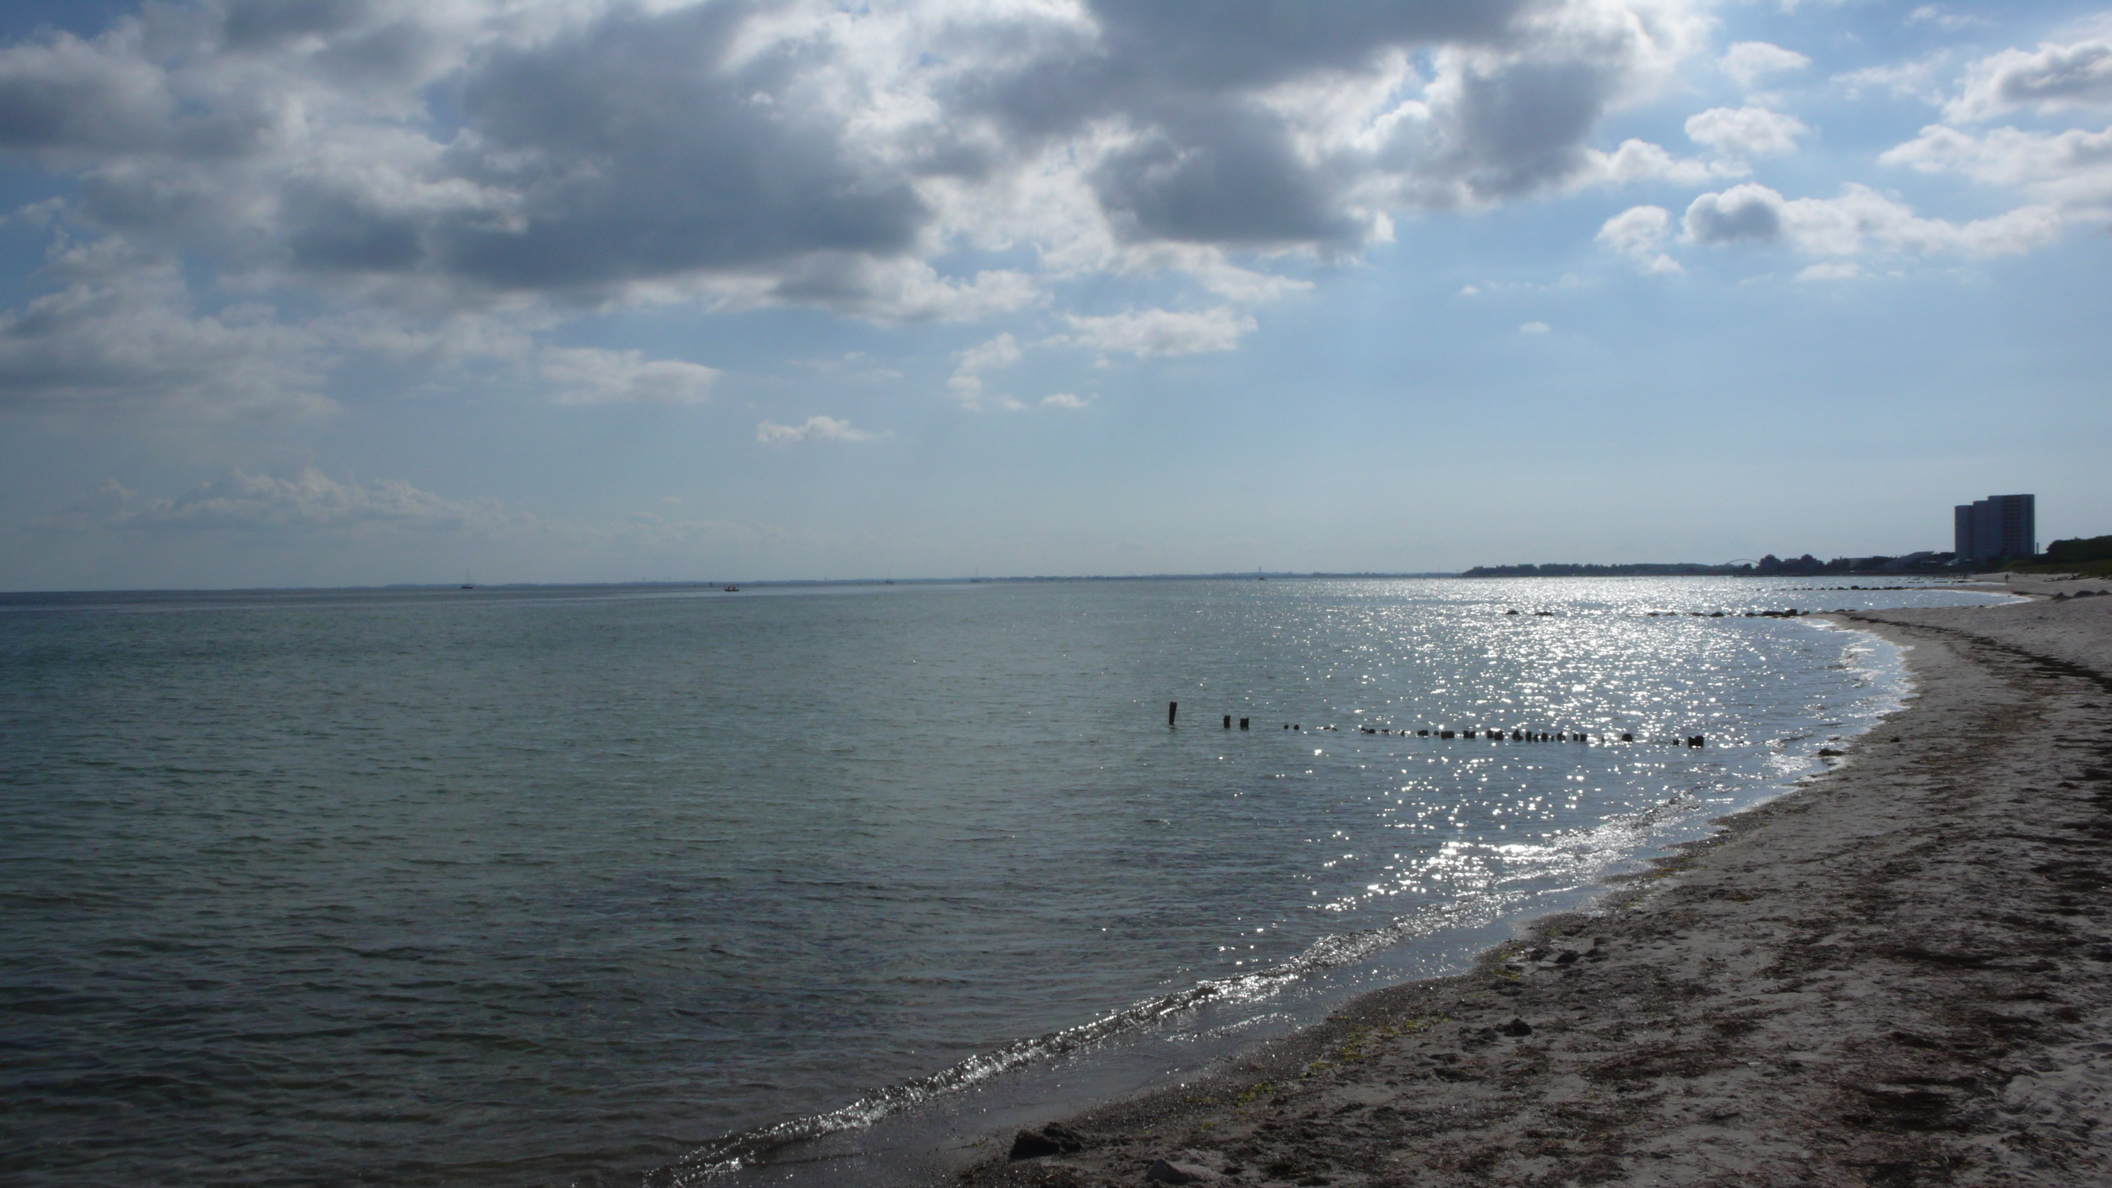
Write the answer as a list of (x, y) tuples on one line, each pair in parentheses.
[(1899, 973)]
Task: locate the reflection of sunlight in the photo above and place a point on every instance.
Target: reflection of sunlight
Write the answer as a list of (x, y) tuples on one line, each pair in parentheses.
[(1378, 839), (1590, 656)]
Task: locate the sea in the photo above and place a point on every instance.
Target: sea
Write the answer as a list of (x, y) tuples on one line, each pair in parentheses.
[(663, 885)]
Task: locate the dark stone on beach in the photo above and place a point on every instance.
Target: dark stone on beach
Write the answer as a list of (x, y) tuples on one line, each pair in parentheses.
[(1566, 957), (1517, 736), (1517, 1028), (1163, 1171), (1829, 752), (1422, 734), (1053, 1139)]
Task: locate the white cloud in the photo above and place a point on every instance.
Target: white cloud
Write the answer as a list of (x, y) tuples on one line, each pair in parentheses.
[(1533, 328), (1002, 351), (2071, 170), (966, 383), (2050, 79), (1931, 14), (814, 428), (1921, 79), (1641, 161), (122, 331), (1750, 61), (1859, 221), (1746, 132), (1639, 233), (1064, 400), (1831, 270), (588, 375), (1158, 333), (305, 503), (485, 152)]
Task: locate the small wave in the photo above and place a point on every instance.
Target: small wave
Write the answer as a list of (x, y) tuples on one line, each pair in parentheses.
[(1592, 852), (729, 1154)]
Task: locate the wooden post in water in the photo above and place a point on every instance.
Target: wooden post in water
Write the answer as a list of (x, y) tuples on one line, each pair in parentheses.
[(1242, 723), (1228, 721), (1171, 706)]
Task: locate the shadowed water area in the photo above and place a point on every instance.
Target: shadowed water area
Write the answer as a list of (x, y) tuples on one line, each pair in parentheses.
[(565, 886)]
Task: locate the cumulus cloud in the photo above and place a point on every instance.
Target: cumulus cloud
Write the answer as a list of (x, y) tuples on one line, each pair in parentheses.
[(587, 375), (1639, 233), (307, 502), (1642, 161), (2071, 170), (814, 428), (2049, 79), (1859, 221), (749, 152), (1746, 132), (1534, 328), (1158, 333), (1064, 400), (2066, 173), (1750, 61), (122, 329)]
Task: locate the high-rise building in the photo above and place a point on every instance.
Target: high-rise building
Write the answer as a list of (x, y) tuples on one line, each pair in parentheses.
[(1996, 527)]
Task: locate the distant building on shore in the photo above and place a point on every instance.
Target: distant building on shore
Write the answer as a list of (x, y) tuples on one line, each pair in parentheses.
[(1996, 527)]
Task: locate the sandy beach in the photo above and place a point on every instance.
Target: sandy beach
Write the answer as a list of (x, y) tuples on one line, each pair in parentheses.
[(1898, 973)]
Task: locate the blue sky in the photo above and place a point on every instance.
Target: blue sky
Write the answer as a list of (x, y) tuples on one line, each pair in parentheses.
[(316, 292)]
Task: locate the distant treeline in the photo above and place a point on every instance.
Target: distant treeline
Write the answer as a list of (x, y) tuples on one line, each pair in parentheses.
[(2095, 548), (2085, 555), (1767, 566)]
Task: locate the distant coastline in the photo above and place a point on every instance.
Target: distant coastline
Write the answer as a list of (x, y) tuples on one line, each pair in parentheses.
[(1768, 566), (2090, 556)]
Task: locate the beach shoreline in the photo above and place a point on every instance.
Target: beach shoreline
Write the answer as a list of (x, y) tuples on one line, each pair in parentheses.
[(1894, 973)]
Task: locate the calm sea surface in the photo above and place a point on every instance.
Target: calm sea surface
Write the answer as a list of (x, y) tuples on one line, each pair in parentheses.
[(535, 887)]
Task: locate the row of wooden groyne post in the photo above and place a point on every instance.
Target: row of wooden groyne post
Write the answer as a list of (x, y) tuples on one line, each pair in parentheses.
[(1693, 740)]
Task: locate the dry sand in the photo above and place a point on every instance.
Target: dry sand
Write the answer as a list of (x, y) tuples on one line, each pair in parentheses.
[(1899, 973)]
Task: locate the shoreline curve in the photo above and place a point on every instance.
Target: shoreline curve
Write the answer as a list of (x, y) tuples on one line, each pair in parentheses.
[(1898, 972)]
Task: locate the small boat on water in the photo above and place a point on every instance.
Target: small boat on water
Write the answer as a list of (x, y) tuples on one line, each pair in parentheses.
[(733, 589)]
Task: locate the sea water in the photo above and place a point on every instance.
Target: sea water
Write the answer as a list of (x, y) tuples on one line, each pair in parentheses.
[(603, 885)]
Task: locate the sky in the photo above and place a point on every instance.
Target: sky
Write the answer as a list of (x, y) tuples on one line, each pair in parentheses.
[(359, 292)]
